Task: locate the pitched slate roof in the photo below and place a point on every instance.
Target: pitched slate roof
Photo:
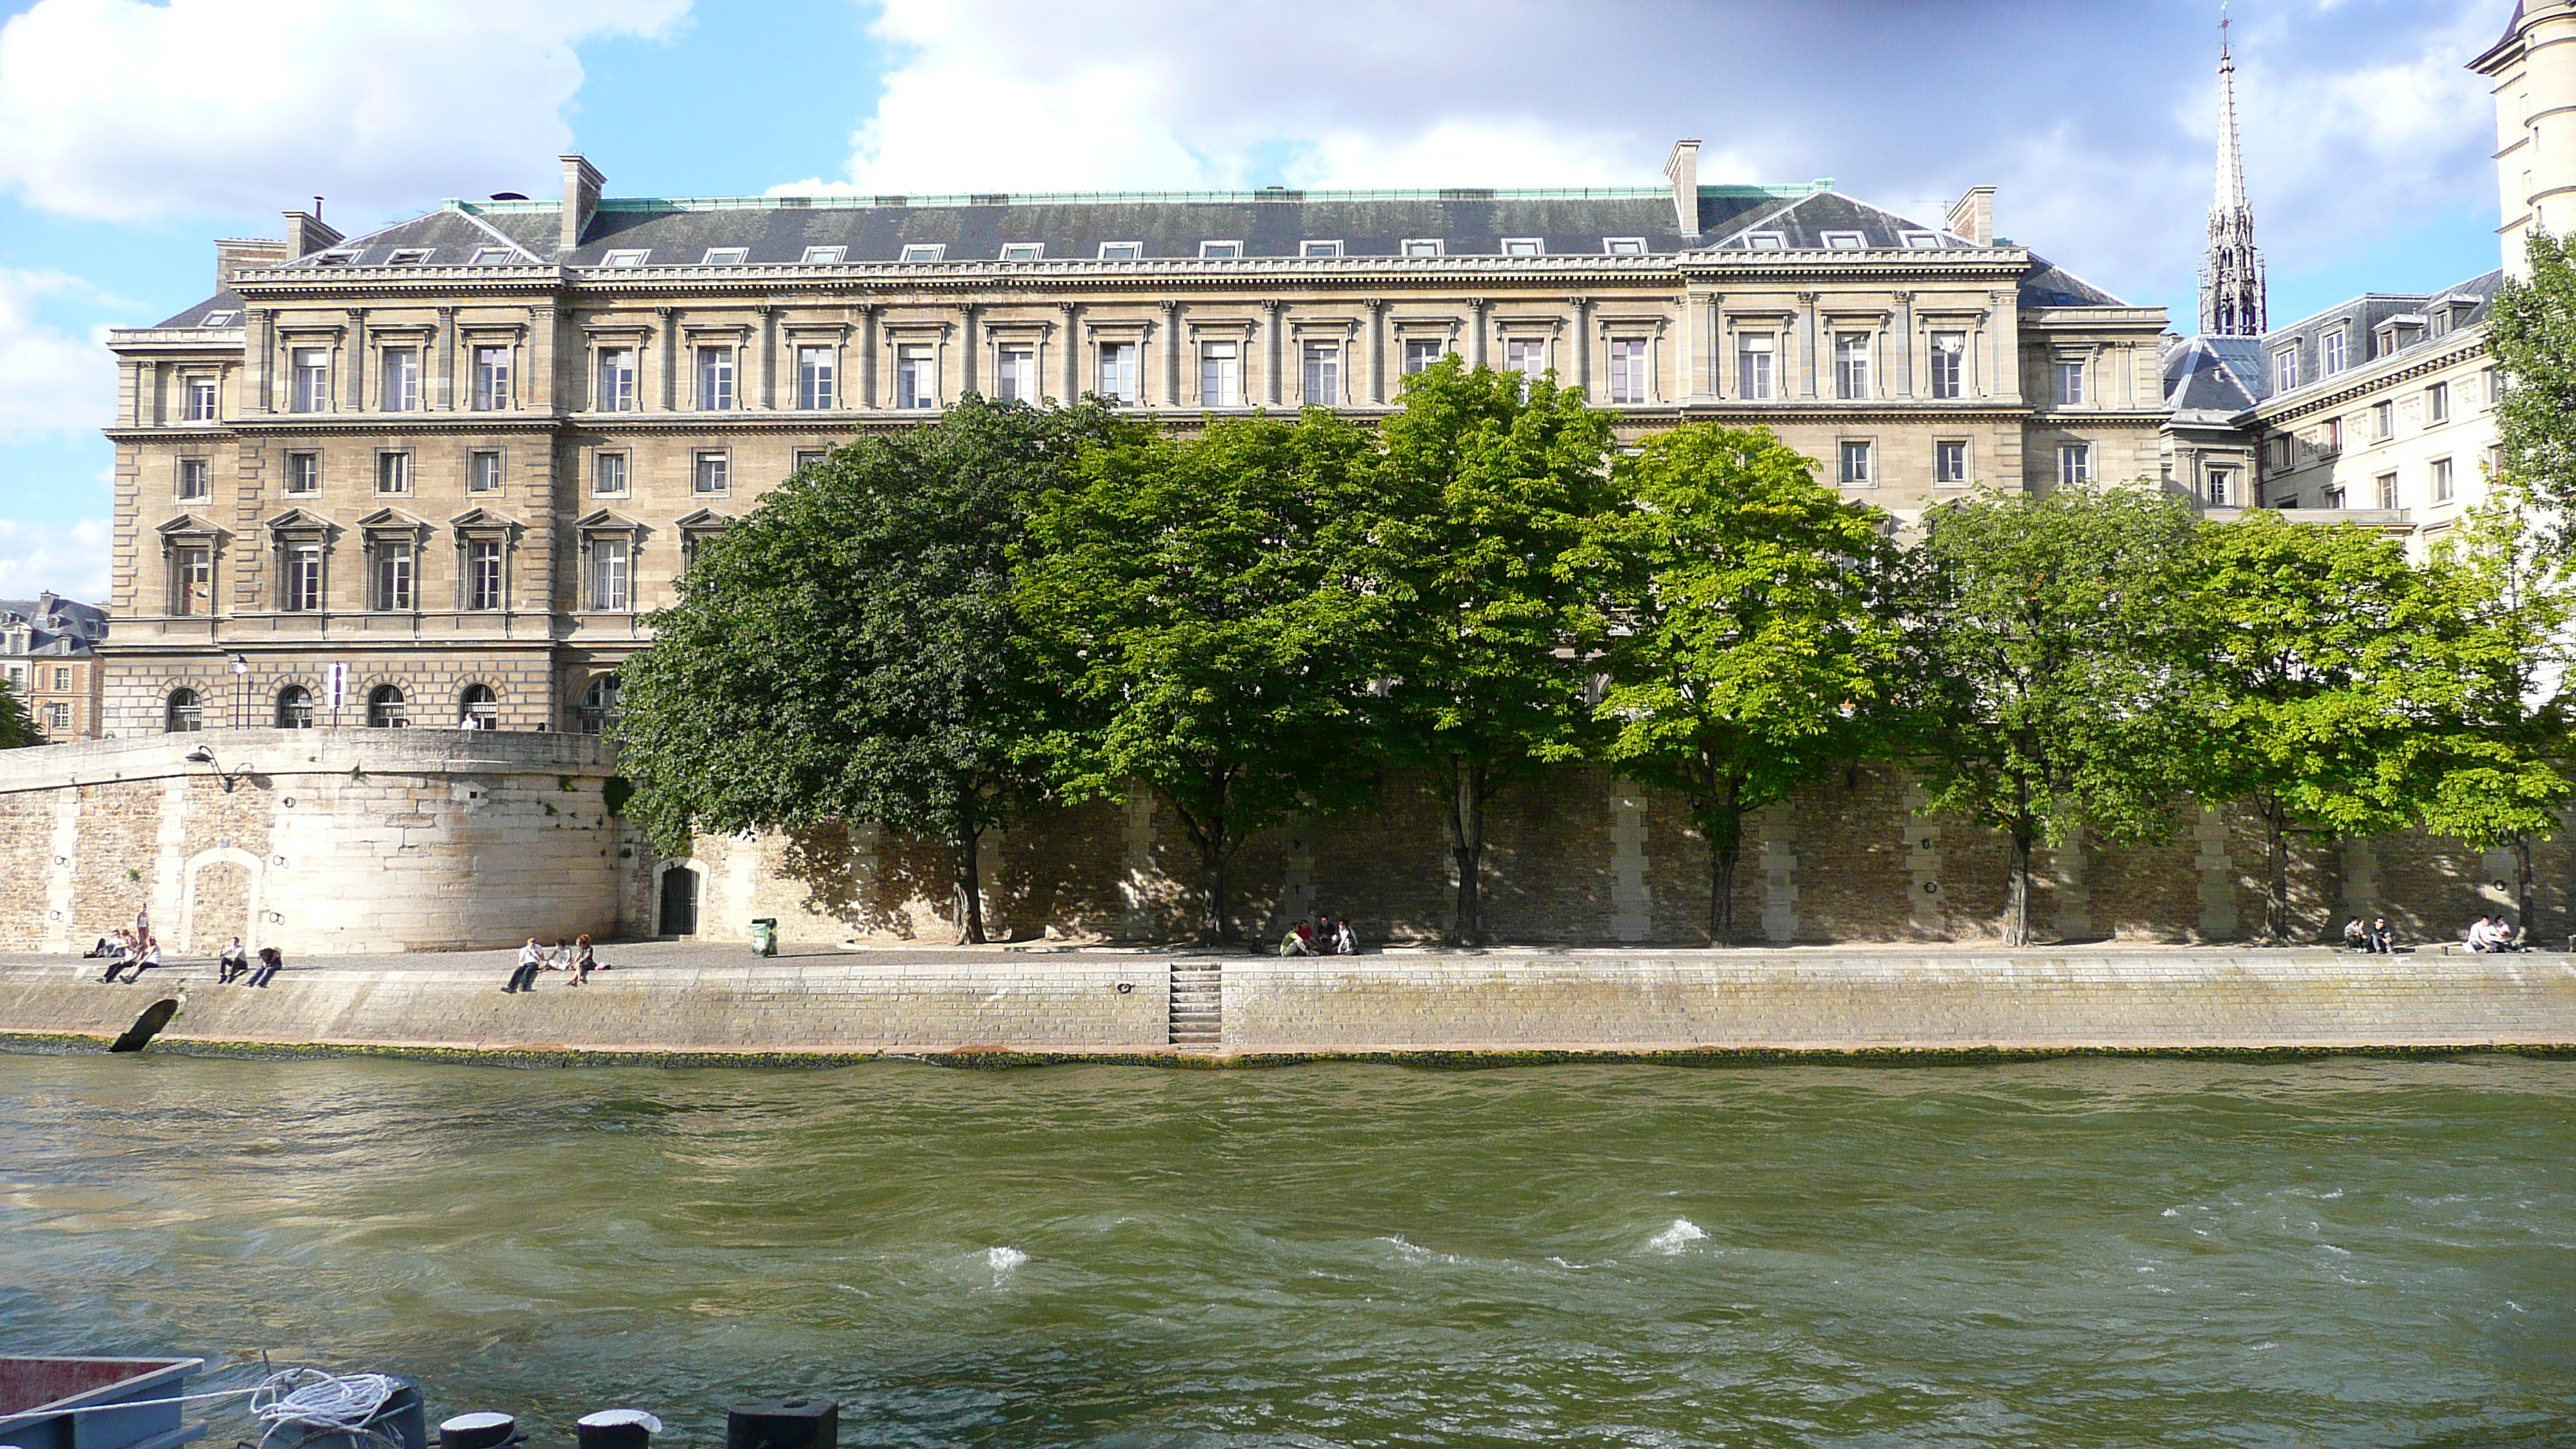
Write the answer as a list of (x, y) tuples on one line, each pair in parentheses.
[(196, 316), (2466, 304), (2204, 380)]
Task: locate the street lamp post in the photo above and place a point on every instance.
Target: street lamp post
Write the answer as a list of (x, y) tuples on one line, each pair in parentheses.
[(241, 692)]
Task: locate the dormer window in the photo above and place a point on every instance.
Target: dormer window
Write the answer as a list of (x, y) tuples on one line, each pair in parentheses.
[(335, 259), (1023, 251), (1624, 246), (925, 251), (220, 318), (408, 256), (2285, 368), (492, 256), (1221, 250), (1319, 249), (824, 256), (1523, 246), (1765, 241), (1919, 238), (1424, 246), (1121, 251), (633, 258), (725, 257), (2330, 349), (1843, 241)]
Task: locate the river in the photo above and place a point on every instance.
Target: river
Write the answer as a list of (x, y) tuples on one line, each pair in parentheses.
[(2084, 1252)]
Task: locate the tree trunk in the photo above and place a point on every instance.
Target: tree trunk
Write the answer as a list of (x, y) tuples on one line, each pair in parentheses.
[(2017, 892), (968, 897), (1725, 826), (1467, 819), (2276, 886), (1216, 924), (2522, 896)]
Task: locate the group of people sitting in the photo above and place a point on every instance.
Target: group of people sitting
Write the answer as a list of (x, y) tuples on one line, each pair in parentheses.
[(533, 958), (136, 951), (1325, 937), (2493, 933), (2377, 938)]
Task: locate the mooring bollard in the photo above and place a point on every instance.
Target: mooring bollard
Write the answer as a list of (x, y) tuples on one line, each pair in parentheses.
[(617, 1429), (480, 1430), (784, 1424)]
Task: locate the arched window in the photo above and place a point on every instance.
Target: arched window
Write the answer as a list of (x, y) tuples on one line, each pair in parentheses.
[(385, 708), (184, 715), (478, 708), (599, 705), (295, 708)]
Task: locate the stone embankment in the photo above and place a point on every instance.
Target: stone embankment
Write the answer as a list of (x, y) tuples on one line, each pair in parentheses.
[(1100, 1004)]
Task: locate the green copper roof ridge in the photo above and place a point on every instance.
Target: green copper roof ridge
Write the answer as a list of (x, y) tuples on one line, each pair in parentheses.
[(853, 201)]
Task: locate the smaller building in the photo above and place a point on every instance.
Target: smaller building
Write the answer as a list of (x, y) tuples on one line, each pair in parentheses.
[(49, 656)]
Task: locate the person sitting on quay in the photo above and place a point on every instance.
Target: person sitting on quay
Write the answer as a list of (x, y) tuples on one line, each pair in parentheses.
[(143, 960), (1346, 942), (1295, 943), (271, 961), (119, 949), (2486, 935), (2383, 937), (232, 962), (2356, 936), (532, 959), (583, 961)]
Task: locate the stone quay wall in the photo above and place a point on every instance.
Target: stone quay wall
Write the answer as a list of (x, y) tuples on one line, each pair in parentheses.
[(326, 841), (1593, 1002)]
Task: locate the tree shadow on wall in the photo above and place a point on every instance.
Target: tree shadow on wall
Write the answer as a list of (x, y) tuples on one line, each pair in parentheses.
[(874, 881)]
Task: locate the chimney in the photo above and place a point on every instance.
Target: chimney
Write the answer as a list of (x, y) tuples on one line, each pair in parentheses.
[(240, 254), (1973, 216), (580, 199), (1683, 169), (305, 234)]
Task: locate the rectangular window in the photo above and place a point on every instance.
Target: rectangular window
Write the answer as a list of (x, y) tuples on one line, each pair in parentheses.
[(725, 257), (1526, 356), (1624, 246), (2437, 403), (1851, 364), (1423, 246), (2070, 384), (2387, 490), (1221, 250), (312, 388), (608, 475), (1949, 362), (804, 458), (300, 583), (825, 256), (2332, 345), (1121, 251), (1627, 371), (1015, 372), (1765, 241), (817, 378), (58, 718), (608, 574), (1523, 246), (925, 251), (393, 472), (408, 256), (1323, 374), (2279, 448), (2383, 421), (491, 379), (1220, 374), (2333, 439), (715, 379), (400, 384), (2285, 368), (711, 473), (1421, 352), (483, 573), (1950, 462), (2074, 464), (192, 581), (1855, 464), (916, 377), (1844, 241), (1118, 371), (1319, 249), (303, 472), (2494, 390), (616, 380), (2221, 490), (493, 256), (201, 400), (1753, 354), (221, 317), (2441, 480), (2495, 460), (62, 678), (628, 258), (393, 576), (2330, 498), (1918, 239), (195, 480), (482, 472), (1023, 251)]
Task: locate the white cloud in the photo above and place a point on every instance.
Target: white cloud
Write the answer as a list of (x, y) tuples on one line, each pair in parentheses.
[(71, 561), (121, 109), (50, 380)]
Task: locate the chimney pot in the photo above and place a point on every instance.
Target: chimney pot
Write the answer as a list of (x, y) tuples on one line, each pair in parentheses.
[(581, 184), (1682, 168)]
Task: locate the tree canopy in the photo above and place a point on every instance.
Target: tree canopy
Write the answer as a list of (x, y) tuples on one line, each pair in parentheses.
[(2531, 331), (17, 726)]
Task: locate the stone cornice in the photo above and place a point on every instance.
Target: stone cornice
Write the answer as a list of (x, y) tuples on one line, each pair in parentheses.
[(2466, 343)]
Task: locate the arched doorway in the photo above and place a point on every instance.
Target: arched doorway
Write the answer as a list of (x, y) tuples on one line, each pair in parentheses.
[(295, 708), (183, 715), (478, 709), (679, 906), (385, 709), (600, 705)]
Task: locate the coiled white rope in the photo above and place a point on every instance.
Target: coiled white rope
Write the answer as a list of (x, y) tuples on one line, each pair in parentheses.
[(324, 1401)]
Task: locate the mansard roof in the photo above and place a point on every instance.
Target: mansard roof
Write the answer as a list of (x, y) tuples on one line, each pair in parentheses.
[(2206, 378), (1276, 222), (196, 316), (2462, 305)]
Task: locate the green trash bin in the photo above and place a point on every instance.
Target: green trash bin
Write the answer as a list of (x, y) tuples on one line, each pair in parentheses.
[(764, 935)]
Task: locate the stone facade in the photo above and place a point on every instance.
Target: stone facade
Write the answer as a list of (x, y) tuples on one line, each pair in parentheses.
[(48, 659)]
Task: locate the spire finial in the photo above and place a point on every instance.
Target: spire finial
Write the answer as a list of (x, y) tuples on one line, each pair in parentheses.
[(2231, 280)]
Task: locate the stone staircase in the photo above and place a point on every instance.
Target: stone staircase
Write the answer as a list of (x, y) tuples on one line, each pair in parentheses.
[(1198, 1006)]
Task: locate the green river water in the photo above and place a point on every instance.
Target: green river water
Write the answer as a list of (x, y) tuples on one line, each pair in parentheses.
[(2087, 1252)]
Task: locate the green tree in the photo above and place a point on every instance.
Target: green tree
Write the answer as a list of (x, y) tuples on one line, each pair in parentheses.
[(844, 653), (17, 726), (1204, 606), (1750, 628), (2531, 330), (2049, 687), (2493, 694), (2314, 647), (1486, 482)]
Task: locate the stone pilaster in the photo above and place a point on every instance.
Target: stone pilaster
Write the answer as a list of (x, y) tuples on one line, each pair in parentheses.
[(1632, 901), (1926, 914), (2360, 880), (1778, 825), (2217, 872), (2066, 884), (1136, 852), (65, 847)]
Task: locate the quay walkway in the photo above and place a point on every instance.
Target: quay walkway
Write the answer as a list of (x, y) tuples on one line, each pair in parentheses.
[(686, 1001)]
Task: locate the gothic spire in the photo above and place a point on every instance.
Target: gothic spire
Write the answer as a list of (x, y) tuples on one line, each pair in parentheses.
[(2231, 277)]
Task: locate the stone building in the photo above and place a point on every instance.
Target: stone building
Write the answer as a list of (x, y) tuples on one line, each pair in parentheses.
[(48, 656), (460, 457)]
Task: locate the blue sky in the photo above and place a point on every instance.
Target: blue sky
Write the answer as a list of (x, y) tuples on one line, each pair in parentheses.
[(132, 133)]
